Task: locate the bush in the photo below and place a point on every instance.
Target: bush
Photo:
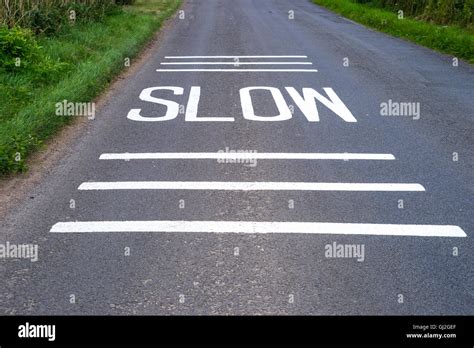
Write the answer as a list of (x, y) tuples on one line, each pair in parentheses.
[(124, 2), (438, 11), (18, 48), (41, 21), (49, 16), (20, 53)]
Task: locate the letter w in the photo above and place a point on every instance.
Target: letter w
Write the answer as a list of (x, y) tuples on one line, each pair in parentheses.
[(307, 103)]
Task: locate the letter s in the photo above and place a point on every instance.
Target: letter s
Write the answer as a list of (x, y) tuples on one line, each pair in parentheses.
[(172, 107)]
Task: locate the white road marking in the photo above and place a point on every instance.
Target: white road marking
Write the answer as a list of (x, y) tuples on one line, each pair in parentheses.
[(248, 186), (237, 63), (229, 57), (248, 110), (260, 227), (237, 70), (262, 155)]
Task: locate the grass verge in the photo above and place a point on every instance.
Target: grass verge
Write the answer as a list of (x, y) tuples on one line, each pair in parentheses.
[(91, 55), (447, 39)]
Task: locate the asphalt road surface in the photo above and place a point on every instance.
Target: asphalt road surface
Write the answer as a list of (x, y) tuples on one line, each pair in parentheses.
[(146, 213)]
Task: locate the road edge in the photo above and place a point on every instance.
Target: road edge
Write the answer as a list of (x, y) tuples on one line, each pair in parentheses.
[(14, 187)]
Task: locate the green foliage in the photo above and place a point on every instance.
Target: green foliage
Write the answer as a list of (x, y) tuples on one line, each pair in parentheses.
[(125, 2), (50, 16), (43, 20), (20, 53), (452, 40), (74, 64), (437, 11), (17, 47)]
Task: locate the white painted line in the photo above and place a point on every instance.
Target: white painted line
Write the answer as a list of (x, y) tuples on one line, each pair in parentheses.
[(260, 227), (262, 155), (236, 70), (230, 57), (239, 63), (248, 186)]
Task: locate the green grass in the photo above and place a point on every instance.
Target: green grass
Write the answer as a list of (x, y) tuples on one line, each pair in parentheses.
[(93, 54), (452, 40)]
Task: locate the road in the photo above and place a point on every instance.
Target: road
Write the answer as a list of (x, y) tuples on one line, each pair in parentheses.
[(145, 214)]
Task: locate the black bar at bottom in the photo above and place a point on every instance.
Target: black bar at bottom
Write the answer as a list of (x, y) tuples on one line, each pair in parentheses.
[(452, 331)]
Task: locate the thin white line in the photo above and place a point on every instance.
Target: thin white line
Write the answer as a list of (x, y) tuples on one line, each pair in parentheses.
[(260, 227), (239, 63), (237, 70), (262, 155), (248, 186), (229, 57)]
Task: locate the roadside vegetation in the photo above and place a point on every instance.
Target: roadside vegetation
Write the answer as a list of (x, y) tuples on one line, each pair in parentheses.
[(55, 50), (444, 25)]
